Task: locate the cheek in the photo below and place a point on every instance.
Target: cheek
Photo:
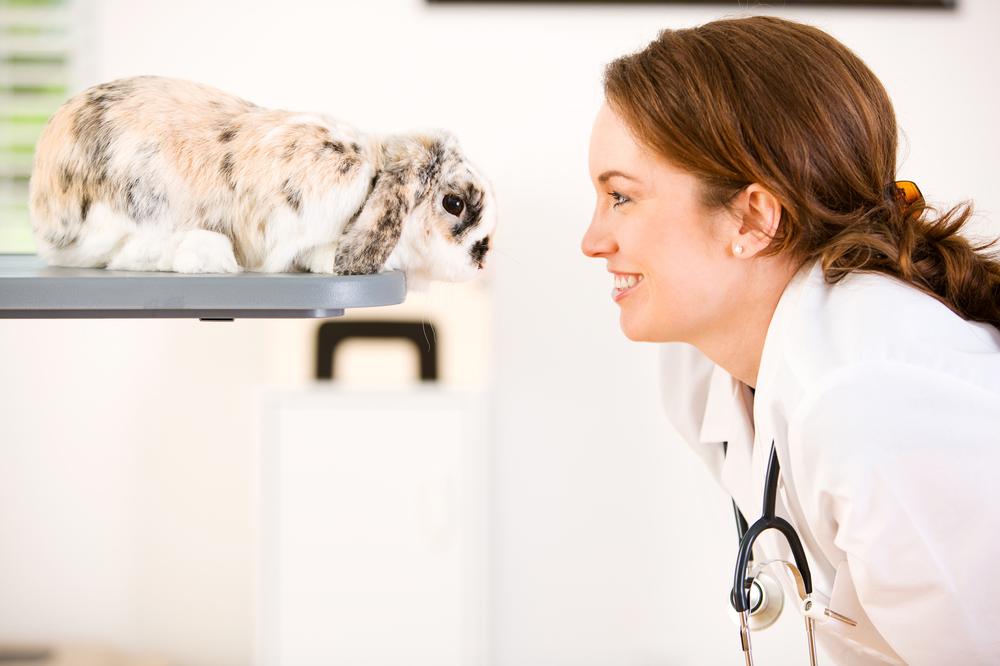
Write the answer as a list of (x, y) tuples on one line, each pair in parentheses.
[(446, 251), (666, 252), (679, 268), (686, 239)]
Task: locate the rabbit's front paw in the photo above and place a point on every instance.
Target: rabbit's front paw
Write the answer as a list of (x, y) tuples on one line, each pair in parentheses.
[(203, 251), (322, 259)]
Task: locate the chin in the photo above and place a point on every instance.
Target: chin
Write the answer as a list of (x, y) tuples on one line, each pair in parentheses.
[(634, 331), (643, 332)]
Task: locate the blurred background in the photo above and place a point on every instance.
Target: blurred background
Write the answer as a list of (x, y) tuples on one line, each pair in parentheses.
[(185, 492)]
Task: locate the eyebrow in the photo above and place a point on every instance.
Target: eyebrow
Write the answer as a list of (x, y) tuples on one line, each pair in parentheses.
[(610, 174)]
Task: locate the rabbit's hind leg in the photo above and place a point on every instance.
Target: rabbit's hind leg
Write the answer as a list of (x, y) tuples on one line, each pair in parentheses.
[(203, 251), (93, 244)]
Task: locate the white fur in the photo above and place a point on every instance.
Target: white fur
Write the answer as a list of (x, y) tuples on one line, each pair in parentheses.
[(108, 230), (203, 251)]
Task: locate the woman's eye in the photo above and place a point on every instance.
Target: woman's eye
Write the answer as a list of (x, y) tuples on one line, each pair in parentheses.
[(619, 199)]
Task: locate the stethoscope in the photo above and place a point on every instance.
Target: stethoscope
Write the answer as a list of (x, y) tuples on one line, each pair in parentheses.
[(760, 598)]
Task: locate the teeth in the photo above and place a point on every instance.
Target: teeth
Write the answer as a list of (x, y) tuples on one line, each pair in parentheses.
[(626, 281)]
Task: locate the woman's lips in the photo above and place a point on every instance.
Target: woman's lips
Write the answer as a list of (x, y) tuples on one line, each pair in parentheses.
[(625, 283)]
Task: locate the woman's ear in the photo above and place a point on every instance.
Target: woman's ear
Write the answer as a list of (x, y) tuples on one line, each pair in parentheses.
[(759, 214)]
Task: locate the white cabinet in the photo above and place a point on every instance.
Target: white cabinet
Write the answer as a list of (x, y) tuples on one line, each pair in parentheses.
[(373, 526)]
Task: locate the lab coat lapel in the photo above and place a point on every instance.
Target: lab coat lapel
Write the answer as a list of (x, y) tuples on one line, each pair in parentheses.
[(727, 419), (685, 378)]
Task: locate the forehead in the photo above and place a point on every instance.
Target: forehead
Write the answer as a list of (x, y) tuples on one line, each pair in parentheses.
[(453, 167), (442, 164), (612, 147)]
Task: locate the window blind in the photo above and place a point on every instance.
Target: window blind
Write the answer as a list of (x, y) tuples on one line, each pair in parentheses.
[(36, 52)]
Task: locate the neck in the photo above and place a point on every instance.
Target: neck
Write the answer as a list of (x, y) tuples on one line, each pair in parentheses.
[(738, 343)]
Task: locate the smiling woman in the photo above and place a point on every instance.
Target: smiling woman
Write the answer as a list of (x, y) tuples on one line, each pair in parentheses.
[(669, 254), (749, 208)]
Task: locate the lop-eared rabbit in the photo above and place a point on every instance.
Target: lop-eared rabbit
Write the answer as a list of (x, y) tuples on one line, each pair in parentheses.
[(157, 174)]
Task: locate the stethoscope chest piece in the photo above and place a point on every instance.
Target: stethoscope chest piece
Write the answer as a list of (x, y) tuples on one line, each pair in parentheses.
[(767, 600)]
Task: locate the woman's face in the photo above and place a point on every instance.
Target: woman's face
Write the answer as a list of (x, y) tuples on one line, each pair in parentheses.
[(648, 224)]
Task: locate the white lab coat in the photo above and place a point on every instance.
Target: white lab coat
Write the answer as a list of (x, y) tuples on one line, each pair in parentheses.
[(884, 407)]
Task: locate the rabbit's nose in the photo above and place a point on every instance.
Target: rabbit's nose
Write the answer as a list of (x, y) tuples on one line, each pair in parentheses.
[(479, 250)]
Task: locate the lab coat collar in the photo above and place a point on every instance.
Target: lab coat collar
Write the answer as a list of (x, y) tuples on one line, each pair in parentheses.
[(724, 415), (808, 273), (727, 419)]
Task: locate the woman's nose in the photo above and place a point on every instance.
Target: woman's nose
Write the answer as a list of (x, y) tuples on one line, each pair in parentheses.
[(597, 241)]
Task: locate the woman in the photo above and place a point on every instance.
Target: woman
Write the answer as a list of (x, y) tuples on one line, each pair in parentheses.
[(745, 175)]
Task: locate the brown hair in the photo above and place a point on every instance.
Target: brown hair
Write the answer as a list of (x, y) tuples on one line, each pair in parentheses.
[(767, 100)]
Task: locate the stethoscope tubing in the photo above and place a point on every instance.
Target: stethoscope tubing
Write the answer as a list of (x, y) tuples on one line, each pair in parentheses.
[(740, 596)]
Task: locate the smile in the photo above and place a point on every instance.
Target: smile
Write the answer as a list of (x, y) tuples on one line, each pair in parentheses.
[(625, 284)]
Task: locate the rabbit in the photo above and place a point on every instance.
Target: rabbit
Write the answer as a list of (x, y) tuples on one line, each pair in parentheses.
[(158, 174)]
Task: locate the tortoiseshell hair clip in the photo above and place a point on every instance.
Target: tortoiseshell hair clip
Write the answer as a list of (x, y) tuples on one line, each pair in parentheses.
[(905, 192)]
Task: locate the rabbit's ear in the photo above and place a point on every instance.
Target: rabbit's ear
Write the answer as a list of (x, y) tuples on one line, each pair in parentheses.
[(370, 237)]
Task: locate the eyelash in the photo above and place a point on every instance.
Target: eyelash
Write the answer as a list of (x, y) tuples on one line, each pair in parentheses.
[(619, 199)]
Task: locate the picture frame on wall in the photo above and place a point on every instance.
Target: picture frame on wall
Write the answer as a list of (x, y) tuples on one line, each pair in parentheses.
[(907, 4)]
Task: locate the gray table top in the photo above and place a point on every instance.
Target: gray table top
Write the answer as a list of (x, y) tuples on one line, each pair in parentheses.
[(29, 289)]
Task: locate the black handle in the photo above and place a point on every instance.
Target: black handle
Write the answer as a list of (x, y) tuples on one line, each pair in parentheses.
[(332, 333)]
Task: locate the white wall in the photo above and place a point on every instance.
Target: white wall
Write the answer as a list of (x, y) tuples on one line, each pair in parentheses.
[(612, 547)]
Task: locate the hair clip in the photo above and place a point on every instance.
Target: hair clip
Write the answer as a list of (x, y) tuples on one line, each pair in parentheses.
[(905, 192)]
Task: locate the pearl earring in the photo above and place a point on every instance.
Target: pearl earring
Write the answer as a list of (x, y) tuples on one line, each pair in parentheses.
[(737, 249)]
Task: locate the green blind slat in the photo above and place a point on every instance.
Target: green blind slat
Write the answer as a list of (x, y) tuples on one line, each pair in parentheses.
[(36, 44)]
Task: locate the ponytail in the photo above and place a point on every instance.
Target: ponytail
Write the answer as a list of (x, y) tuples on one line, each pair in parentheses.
[(914, 243)]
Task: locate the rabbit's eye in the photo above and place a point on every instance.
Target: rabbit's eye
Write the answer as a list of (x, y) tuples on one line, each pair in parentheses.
[(453, 204)]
